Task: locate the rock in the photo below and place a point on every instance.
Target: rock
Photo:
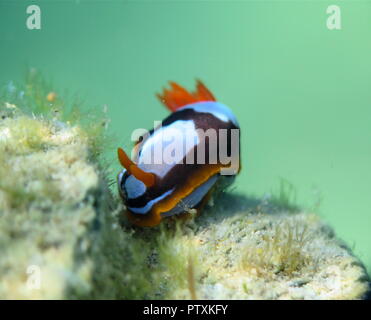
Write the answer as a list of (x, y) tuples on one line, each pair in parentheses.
[(251, 255), (59, 236), (62, 235)]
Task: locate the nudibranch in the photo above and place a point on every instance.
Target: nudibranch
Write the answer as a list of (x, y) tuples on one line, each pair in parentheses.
[(200, 143)]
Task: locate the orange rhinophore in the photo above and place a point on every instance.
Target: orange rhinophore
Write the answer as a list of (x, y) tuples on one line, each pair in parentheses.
[(147, 178)]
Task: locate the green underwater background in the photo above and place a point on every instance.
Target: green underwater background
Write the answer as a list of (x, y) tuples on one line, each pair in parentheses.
[(301, 92)]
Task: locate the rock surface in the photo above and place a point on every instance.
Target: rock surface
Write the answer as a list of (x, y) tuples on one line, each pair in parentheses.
[(255, 255), (61, 236)]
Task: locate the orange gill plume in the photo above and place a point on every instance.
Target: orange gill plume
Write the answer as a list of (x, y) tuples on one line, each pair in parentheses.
[(177, 96)]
